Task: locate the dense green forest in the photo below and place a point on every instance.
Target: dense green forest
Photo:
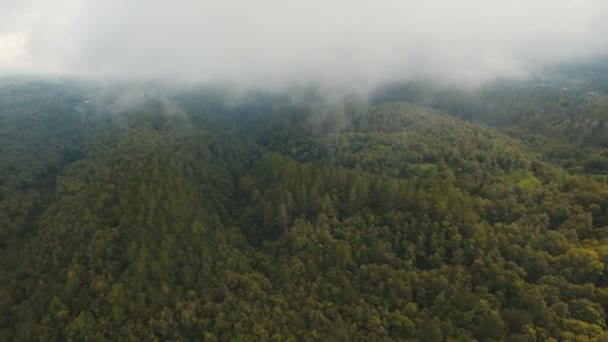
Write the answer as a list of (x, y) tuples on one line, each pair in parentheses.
[(562, 115), (197, 213)]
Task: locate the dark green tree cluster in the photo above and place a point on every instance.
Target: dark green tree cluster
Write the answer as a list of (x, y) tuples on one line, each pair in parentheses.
[(563, 115)]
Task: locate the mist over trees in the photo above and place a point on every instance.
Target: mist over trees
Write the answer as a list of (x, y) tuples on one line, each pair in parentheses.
[(303, 170), (196, 214)]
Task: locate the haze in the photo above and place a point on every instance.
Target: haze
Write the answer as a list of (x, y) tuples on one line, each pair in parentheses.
[(276, 42)]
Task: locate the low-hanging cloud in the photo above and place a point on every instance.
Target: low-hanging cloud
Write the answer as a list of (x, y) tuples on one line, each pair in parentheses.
[(282, 41)]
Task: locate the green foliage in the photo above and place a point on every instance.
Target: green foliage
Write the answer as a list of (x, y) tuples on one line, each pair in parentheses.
[(388, 222)]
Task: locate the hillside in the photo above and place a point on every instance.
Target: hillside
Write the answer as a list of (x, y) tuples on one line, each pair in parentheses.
[(289, 222)]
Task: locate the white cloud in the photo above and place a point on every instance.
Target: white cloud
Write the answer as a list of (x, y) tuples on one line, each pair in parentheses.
[(13, 50), (272, 41)]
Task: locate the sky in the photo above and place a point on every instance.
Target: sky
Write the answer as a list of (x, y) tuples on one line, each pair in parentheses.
[(259, 42)]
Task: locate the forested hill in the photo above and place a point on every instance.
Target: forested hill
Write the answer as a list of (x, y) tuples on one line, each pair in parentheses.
[(289, 222), (562, 115)]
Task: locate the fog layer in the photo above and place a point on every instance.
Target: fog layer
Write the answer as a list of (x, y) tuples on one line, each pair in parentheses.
[(275, 42)]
